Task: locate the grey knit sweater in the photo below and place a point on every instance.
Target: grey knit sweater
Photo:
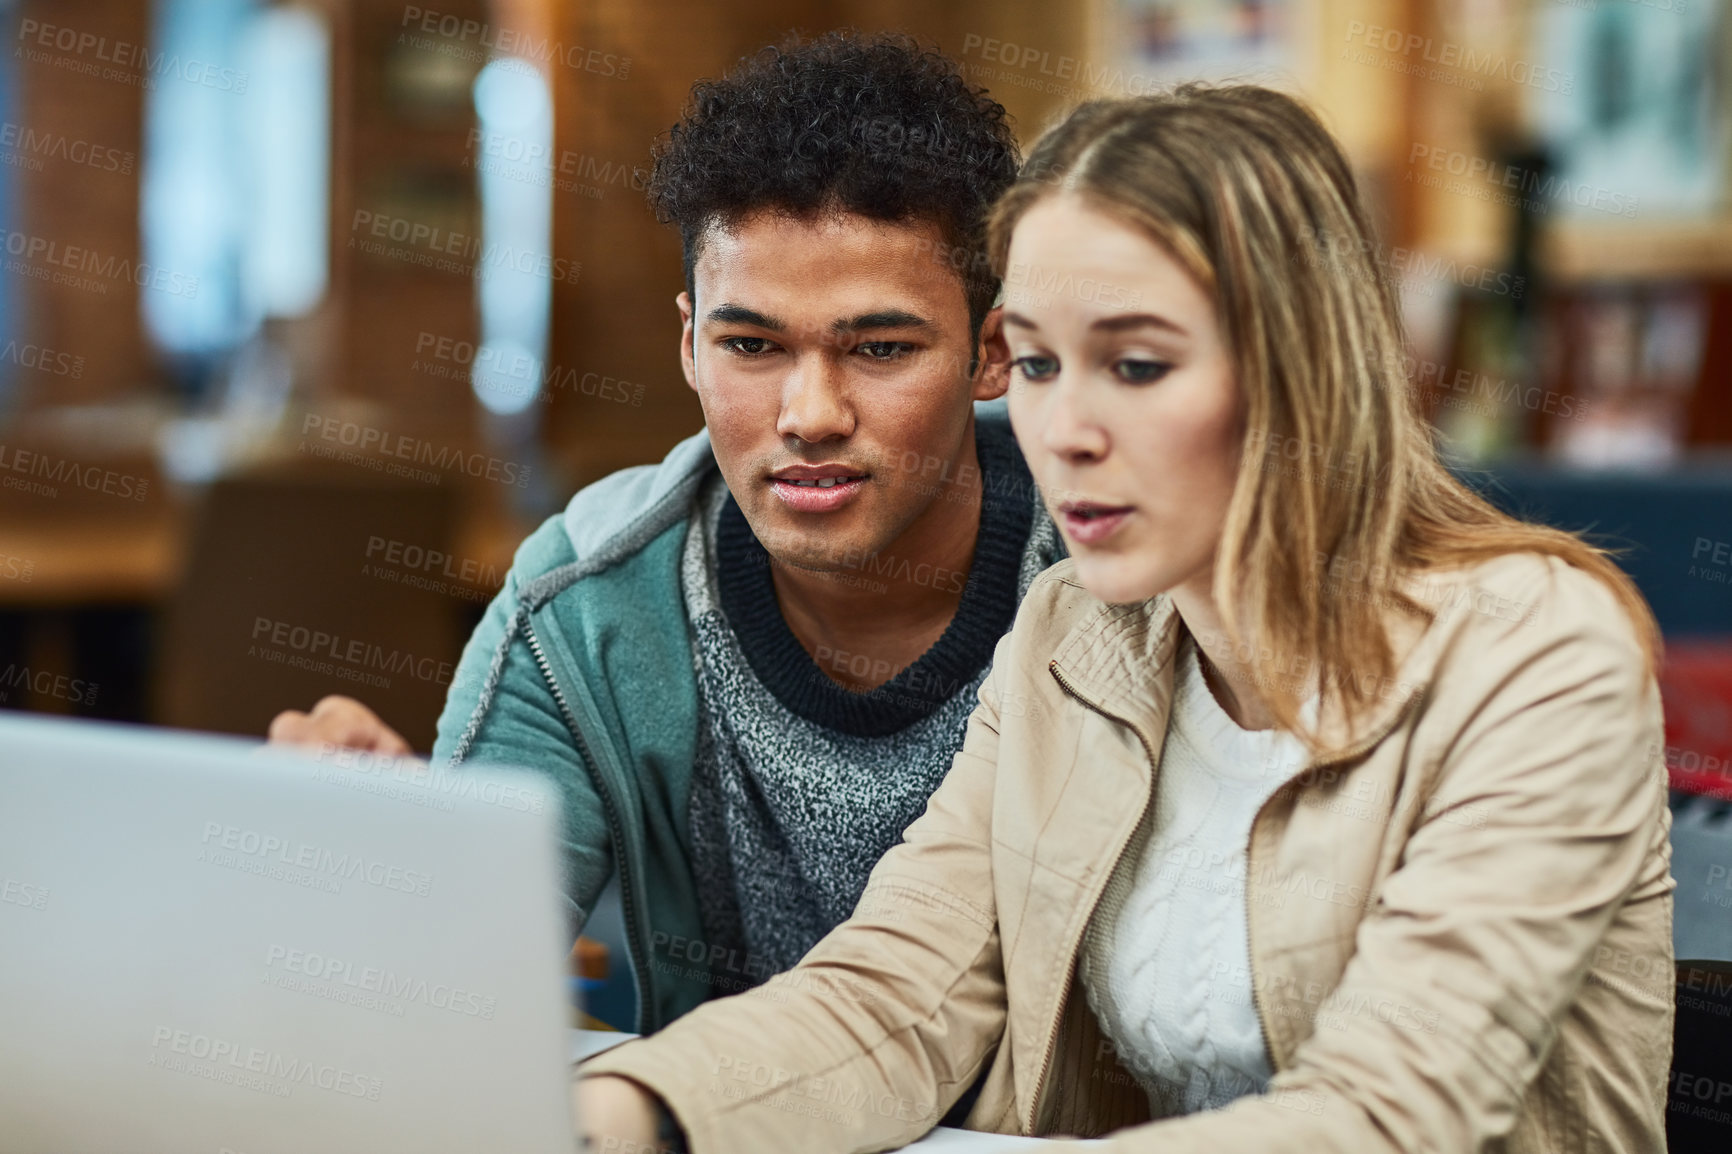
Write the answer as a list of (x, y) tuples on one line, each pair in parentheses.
[(800, 785)]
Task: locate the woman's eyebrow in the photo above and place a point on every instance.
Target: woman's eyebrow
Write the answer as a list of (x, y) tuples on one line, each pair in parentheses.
[(1109, 324), (1137, 321)]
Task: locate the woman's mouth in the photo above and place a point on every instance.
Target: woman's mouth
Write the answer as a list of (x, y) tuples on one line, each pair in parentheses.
[(1090, 522)]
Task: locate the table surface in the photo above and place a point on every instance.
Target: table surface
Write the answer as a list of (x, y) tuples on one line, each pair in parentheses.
[(588, 1043)]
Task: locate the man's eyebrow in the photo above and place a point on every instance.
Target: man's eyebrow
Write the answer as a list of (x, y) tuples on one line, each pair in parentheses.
[(741, 315), (882, 319)]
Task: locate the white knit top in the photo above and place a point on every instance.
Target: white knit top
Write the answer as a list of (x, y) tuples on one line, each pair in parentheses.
[(1166, 960)]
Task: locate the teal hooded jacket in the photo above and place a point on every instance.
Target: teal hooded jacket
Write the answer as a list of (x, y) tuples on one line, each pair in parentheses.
[(581, 669)]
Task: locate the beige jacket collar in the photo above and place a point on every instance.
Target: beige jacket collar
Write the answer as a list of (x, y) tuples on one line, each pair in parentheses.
[(1120, 662)]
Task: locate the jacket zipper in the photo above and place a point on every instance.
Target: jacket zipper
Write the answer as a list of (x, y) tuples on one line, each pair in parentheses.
[(616, 831), (1251, 951), (1347, 754), (1076, 944)]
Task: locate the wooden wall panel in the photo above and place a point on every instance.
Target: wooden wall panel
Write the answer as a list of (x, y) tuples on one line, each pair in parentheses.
[(66, 205)]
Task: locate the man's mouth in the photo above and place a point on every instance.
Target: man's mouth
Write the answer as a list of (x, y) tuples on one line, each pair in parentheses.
[(821, 482), (818, 488), (819, 476)]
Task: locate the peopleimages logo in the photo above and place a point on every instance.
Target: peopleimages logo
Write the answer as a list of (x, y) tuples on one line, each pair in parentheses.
[(323, 862), (16, 893), (1343, 253), (132, 62), (1535, 189), (514, 374), (1027, 64), (1043, 284), (304, 648), (819, 1097), (41, 682), (372, 446), (364, 770), (323, 968), (77, 261), (27, 147), (460, 31), (62, 471), (425, 560), (451, 251), (516, 156), (286, 1070), (1479, 64), (42, 359)]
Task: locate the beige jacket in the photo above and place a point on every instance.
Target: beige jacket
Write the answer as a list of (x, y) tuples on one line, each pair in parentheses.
[(1460, 917)]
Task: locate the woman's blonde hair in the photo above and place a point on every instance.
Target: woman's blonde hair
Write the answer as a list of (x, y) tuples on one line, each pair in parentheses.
[(1254, 198)]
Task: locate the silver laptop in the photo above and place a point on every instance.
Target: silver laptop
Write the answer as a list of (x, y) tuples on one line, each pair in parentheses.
[(206, 946)]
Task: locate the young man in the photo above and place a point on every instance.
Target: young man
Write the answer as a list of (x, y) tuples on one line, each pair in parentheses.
[(750, 665)]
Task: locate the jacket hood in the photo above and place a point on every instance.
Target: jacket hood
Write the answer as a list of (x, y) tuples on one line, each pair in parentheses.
[(624, 511)]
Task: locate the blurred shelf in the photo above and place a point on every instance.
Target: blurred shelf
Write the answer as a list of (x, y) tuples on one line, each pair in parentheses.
[(1708, 465), (101, 559), (1659, 250)]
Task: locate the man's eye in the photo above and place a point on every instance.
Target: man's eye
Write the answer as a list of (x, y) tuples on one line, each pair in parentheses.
[(884, 350), (1035, 368), (1139, 372), (746, 346)]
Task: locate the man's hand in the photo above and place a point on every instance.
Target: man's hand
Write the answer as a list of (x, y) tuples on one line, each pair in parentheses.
[(616, 1115), (337, 720)]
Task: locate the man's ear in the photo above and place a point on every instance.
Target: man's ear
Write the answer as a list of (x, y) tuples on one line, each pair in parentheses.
[(686, 363), (992, 379)]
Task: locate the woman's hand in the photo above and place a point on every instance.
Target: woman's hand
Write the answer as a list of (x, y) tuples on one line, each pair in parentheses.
[(616, 1115)]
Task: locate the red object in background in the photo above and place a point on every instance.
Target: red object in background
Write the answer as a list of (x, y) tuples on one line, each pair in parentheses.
[(1696, 689)]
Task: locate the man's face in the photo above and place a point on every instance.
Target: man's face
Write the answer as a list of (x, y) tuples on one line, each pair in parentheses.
[(831, 356)]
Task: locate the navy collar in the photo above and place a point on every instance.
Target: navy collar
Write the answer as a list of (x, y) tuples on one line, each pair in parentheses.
[(985, 613)]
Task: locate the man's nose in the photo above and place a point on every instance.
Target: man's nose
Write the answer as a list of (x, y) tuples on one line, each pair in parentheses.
[(815, 404)]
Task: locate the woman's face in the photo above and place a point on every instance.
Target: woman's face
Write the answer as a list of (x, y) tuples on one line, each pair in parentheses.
[(1123, 398)]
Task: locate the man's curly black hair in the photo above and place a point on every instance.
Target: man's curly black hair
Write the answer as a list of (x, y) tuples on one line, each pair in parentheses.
[(869, 124)]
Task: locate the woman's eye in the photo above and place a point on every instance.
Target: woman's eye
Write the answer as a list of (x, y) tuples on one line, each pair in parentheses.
[(1034, 368), (1139, 372), (884, 350), (746, 346)]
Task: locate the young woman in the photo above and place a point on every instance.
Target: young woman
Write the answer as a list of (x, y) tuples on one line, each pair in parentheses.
[(1313, 805)]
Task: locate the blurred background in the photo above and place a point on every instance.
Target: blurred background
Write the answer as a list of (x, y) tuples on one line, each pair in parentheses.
[(310, 311)]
